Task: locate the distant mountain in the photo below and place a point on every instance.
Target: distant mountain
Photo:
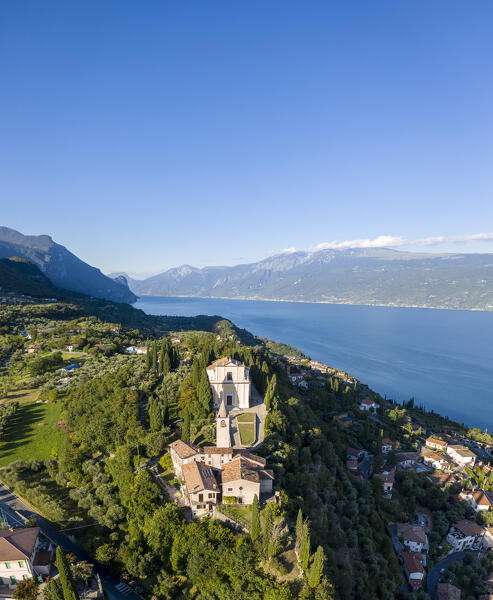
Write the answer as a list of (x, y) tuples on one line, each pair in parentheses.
[(368, 276), (21, 276), (62, 267)]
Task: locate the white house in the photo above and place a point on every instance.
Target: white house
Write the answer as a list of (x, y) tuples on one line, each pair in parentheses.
[(465, 535), (201, 488), (17, 555), (478, 500), (136, 350), (367, 404), (461, 455), (436, 443), (230, 381), (387, 445), (434, 460), (242, 479), (413, 537)]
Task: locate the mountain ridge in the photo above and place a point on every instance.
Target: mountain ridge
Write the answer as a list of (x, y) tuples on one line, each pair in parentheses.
[(62, 267), (366, 276)]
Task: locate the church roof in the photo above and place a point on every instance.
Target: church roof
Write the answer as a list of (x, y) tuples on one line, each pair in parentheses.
[(239, 468), (222, 413), (224, 362)]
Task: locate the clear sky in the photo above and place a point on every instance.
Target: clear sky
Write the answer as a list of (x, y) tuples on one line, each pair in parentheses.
[(144, 135)]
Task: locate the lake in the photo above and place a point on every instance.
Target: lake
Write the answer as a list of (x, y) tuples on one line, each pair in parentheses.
[(443, 358)]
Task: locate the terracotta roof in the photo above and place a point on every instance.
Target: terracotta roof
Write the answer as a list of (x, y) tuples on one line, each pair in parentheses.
[(352, 465), (412, 562), (240, 468), (481, 498), (184, 449), (353, 452), (435, 441), (402, 456), (18, 544), (199, 477), (216, 450), (367, 402), (443, 478), (411, 533), (387, 477), (260, 460), (447, 591), (462, 451), (433, 456), (468, 528), (387, 441)]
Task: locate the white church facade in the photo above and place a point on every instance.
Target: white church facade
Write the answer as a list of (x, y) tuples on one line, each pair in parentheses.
[(230, 382)]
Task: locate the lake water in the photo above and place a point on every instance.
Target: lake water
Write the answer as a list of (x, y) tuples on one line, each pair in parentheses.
[(443, 358)]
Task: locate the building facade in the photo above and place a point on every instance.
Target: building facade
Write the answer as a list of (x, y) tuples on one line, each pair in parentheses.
[(17, 553), (230, 382)]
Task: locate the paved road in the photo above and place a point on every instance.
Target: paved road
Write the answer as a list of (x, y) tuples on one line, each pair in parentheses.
[(15, 509), (365, 466), (434, 575)]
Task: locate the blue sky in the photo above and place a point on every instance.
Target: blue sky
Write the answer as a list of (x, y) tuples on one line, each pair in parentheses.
[(143, 135)]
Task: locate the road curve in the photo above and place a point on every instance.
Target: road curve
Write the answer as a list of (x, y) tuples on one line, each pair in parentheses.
[(434, 575)]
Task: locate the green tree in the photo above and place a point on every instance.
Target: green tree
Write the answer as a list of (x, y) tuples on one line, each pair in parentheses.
[(166, 368), (26, 589), (154, 357), (255, 529), (55, 590), (155, 414), (204, 393), (66, 580), (299, 531), (305, 547), (317, 569)]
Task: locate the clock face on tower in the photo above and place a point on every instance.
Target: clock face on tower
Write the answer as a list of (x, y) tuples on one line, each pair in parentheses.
[(223, 423)]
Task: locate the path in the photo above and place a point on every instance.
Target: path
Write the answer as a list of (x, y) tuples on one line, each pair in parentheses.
[(434, 574), (17, 511)]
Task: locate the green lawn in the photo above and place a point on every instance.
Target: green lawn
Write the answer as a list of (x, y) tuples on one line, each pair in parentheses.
[(247, 433), (246, 418), (31, 434), (22, 396), (238, 512)]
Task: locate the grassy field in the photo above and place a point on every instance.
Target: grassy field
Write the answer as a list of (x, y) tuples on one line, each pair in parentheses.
[(22, 396), (237, 512), (246, 418), (31, 433), (247, 433)]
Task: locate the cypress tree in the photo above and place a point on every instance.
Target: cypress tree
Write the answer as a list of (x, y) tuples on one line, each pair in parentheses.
[(204, 393), (185, 429), (154, 357), (148, 357), (195, 373), (317, 568), (305, 547), (299, 531), (164, 407), (66, 580), (161, 361), (166, 363), (155, 414), (55, 590), (255, 529)]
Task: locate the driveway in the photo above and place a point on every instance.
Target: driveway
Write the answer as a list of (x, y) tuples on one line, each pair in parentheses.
[(16, 512), (365, 466), (434, 575)]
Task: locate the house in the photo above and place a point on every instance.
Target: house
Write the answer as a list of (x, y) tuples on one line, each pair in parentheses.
[(443, 478), (488, 543), (461, 455), (436, 443), (136, 350), (33, 348), (447, 591), (413, 569), (387, 446), (465, 535), (200, 487), (72, 347), (182, 453), (406, 460), (230, 381), (478, 500), (175, 340), (352, 465), (353, 454), (434, 460), (413, 537), (241, 480), (388, 480), (368, 405), (17, 554)]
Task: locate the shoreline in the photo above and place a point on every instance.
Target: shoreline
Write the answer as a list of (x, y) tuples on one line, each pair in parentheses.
[(257, 299)]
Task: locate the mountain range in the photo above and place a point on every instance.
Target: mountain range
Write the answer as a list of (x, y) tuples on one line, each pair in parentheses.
[(367, 276), (62, 267)]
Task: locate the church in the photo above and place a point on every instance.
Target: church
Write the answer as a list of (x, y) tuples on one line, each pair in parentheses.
[(211, 473), (230, 382)]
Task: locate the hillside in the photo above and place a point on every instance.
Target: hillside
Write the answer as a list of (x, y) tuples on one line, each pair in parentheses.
[(377, 276), (62, 267), (23, 277)]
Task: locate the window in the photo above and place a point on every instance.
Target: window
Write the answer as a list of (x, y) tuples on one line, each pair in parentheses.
[(7, 565), (229, 400), (13, 579), (21, 564), (229, 376), (230, 489), (24, 577)]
